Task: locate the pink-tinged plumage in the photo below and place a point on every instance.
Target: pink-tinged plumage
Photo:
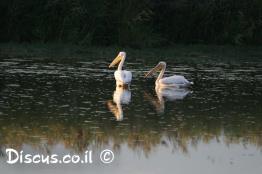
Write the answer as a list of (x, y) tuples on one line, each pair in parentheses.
[(122, 77), (172, 81)]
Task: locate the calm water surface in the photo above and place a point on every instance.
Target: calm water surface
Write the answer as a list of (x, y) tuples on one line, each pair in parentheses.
[(52, 107)]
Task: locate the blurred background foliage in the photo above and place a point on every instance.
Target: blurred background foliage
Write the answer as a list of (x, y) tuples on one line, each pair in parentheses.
[(134, 23)]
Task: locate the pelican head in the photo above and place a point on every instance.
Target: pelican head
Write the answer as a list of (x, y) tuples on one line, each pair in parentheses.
[(158, 67), (121, 55)]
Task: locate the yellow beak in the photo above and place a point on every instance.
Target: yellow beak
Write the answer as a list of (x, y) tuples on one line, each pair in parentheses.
[(155, 69), (115, 61)]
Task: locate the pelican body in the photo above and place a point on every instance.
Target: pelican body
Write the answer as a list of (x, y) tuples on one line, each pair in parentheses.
[(172, 81), (122, 77)]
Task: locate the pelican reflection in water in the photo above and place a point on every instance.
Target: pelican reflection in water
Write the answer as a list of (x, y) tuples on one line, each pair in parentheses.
[(122, 96), (166, 94)]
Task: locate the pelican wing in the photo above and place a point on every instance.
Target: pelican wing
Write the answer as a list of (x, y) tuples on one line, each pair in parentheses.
[(176, 80), (123, 76)]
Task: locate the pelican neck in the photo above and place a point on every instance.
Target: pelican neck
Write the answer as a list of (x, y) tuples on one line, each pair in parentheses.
[(161, 74), (120, 66)]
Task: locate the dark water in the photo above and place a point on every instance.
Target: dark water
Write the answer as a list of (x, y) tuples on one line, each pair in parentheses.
[(214, 127)]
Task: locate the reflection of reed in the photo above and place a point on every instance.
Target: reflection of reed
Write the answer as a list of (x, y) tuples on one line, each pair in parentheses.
[(2, 154), (145, 138)]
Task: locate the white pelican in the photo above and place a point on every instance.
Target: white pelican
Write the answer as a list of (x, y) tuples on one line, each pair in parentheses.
[(121, 96), (166, 94), (172, 81), (122, 77)]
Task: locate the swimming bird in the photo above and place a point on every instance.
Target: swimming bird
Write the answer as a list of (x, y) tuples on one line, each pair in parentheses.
[(172, 81), (122, 77)]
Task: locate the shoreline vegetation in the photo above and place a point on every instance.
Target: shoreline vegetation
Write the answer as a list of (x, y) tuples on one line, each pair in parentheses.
[(135, 23), (63, 52)]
